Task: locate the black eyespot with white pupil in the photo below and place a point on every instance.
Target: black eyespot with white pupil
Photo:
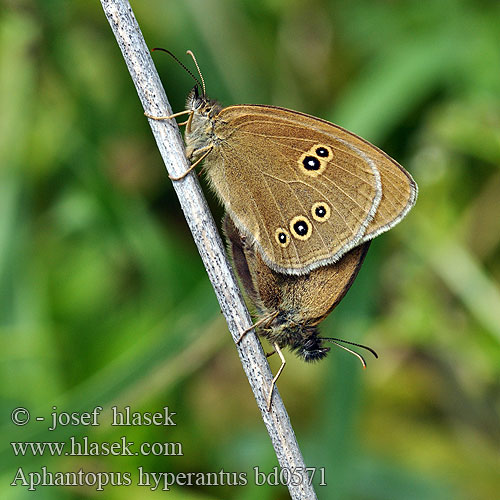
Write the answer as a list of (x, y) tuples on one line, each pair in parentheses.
[(320, 211), (322, 152), (282, 237), (301, 228), (311, 163)]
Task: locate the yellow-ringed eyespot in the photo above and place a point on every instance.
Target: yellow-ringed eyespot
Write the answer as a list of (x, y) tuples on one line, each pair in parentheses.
[(282, 237), (321, 211), (300, 227)]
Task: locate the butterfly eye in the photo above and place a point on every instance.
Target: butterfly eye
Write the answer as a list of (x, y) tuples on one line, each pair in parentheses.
[(321, 211), (300, 228), (282, 237)]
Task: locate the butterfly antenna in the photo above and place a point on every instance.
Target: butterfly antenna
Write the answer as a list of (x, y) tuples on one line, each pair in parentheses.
[(198, 68), (184, 66), (339, 342)]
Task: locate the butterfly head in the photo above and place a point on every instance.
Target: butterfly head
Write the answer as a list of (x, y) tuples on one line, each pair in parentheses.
[(309, 345), (199, 132), (195, 100), (302, 339), (199, 103)]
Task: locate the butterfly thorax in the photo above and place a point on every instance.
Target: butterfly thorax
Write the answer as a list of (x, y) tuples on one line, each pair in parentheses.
[(200, 133)]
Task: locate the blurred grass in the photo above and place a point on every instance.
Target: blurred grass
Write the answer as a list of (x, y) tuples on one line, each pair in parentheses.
[(103, 299)]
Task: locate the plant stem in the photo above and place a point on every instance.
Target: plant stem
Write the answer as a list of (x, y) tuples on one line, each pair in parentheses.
[(200, 221)]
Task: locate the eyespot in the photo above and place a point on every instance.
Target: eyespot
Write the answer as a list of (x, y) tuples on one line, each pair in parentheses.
[(311, 163), (300, 227), (282, 237), (322, 152), (315, 160), (321, 211)]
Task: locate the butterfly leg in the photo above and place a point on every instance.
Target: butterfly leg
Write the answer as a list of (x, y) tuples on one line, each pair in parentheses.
[(169, 117), (206, 150), (187, 122), (261, 321), (273, 383)]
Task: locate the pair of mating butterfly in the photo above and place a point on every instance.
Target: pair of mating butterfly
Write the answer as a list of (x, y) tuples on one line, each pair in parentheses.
[(303, 199)]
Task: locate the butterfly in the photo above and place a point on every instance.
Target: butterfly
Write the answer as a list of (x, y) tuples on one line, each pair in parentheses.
[(302, 190)]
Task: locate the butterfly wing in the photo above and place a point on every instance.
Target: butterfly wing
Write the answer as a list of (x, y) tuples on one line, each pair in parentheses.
[(303, 190), (316, 294), (329, 284), (302, 193), (239, 253), (399, 190), (306, 299)]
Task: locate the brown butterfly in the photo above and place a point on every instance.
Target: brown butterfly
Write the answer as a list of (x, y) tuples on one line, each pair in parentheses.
[(302, 190), (291, 307)]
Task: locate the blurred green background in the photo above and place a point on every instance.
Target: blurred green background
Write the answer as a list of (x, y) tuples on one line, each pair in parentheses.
[(103, 298)]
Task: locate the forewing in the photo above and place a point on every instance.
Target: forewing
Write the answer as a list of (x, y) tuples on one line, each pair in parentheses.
[(294, 184)]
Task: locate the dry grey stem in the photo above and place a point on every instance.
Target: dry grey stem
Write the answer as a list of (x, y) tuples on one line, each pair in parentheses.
[(200, 221)]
